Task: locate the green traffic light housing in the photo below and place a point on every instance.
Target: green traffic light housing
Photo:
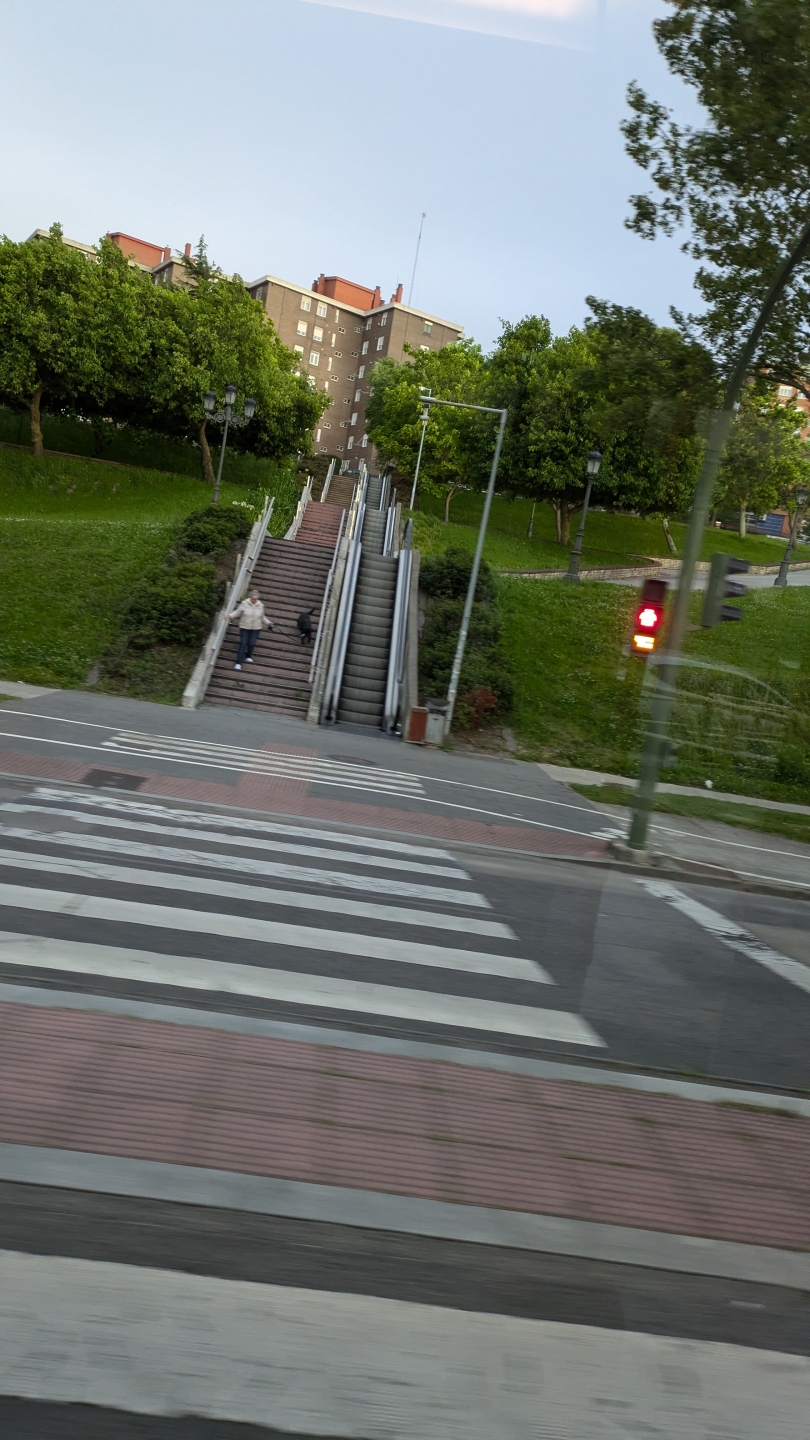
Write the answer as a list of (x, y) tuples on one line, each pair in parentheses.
[(720, 588)]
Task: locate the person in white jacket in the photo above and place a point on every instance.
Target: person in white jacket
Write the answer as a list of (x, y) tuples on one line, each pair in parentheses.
[(251, 617)]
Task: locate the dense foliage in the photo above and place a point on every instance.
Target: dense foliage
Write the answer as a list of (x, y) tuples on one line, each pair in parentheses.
[(485, 689), (93, 337)]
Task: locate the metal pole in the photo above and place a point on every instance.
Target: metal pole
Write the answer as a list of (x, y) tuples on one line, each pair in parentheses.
[(215, 500), (782, 577), (576, 548), (418, 463), (655, 743), (468, 603)]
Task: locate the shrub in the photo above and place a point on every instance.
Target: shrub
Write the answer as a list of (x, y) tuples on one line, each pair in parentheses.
[(484, 666), (175, 605), (210, 531), (446, 577), (477, 706)]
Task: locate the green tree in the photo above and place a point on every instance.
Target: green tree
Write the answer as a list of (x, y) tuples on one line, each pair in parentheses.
[(48, 327), (458, 444), (651, 389), (740, 180), (764, 460), (212, 334)]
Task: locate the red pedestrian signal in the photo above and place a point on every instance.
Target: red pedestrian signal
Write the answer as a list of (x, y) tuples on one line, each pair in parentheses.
[(649, 617)]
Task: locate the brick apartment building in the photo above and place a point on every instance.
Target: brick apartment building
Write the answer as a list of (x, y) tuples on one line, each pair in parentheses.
[(338, 329)]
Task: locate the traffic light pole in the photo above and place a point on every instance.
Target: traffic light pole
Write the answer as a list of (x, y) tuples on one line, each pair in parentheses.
[(655, 744)]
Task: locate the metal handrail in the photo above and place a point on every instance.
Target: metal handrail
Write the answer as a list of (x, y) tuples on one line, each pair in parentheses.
[(327, 592), (399, 626), (328, 481), (385, 487), (388, 546), (306, 496), (342, 627), (200, 679)]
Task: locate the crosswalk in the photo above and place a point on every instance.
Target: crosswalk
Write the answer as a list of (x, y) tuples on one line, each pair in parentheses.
[(345, 774), (97, 889)]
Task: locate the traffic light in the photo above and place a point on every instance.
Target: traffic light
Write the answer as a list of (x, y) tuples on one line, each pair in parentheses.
[(648, 620), (719, 587)]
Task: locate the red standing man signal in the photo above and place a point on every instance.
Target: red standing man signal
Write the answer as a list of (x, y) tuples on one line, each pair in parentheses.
[(648, 622)]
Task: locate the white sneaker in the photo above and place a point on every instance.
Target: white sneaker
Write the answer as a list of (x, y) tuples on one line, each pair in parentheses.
[(237, 667), (248, 661)]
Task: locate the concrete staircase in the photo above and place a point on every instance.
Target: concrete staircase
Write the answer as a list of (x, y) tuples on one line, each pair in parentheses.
[(362, 693), (290, 576)]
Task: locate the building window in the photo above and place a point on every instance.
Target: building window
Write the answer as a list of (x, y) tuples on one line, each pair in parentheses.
[(380, 341), (306, 303), (785, 391), (327, 424), (314, 357), (338, 354), (302, 327), (323, 449), (364, 350), (364, 442), (350, 377), (347, 402), (338, 447), (337, 316), (350, 443), (355, 353), (353, 420), (384, 318), (358, 329), (329, 364), (298, 349), (357, 395), (427, 328), (368, 323), (317, 435), (361, 372), (343, 424), (424, 347), (317, 335), (320, 308), (334, 337), (341, 328)]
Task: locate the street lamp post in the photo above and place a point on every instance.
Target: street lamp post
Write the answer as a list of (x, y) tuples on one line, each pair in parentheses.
[(424, 395), (801, 501), (594, 461), (226, 415), (458, 658)]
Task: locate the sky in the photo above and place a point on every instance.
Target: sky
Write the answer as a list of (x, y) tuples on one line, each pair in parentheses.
[(303, 136)]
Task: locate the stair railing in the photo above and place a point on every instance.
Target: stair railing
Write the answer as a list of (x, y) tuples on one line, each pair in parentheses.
[(194, 692), (343, 621), (306, 496), (328, 481), (385, 488), (326, 597), (388, 541), (399, 627)]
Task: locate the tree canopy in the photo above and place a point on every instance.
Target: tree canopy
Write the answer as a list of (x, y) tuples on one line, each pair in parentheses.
[(739, 183), (765, 460), (94, 337)]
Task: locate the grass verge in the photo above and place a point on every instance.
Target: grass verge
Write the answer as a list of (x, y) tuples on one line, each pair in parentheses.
[(695, 807)]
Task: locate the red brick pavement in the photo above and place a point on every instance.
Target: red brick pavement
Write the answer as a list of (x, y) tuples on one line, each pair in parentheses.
[(290, 797), (137, 1088)]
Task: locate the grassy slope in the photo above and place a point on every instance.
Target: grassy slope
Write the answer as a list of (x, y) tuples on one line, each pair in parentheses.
[(609, 539), (75, 535), (751, 817)]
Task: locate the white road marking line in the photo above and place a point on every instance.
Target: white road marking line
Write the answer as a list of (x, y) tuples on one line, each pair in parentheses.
[(246, 865), (295, 987), (294, 899), (240, 822), (248, 842), (269, 932), (731, 934), (732, 844)]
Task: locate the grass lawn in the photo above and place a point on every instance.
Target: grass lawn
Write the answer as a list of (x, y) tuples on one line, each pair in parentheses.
[(727, 812), (579, 701), (609, 539), (74, 537)]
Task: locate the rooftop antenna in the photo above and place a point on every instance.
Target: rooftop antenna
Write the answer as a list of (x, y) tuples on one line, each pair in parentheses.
[(416, 256)]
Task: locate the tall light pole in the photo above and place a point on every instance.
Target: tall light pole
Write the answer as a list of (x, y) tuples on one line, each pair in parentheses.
[(226, 415), (594, 461), (801, 501), (458, 658), (424, 395)]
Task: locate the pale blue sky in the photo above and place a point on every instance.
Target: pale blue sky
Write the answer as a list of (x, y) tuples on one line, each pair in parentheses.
[(304, 136)]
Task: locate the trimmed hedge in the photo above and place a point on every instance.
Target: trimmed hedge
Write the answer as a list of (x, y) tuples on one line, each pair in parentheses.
[(486, 688), (210, 531), (175, 606)]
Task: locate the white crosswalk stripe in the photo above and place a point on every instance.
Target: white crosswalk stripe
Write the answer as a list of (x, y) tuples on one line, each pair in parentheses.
[(114, 893), (309, 769)]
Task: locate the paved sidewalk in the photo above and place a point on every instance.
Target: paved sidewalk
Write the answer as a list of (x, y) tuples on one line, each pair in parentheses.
[(118, 1086)]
